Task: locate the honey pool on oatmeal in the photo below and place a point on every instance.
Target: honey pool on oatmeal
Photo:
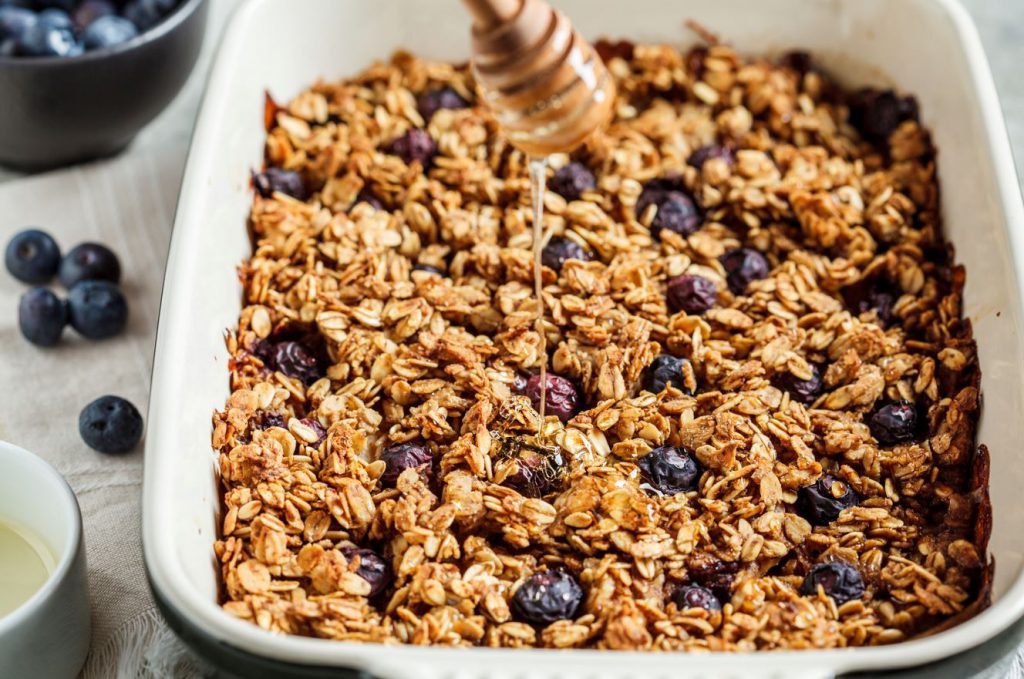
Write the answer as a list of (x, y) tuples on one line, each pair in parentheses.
[(761, 396)]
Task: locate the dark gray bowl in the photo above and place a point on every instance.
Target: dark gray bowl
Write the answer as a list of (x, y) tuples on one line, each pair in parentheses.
[(57, 111)]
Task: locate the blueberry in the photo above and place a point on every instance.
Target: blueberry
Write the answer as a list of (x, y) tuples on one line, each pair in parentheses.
[(433, 101), (401, 456), (546, 597), (91, 10), (110, 424), (41, 40), (65, 5), (520, 381), (267, 420), (147, 13), (415, 145), (743, 266), (804, 391), (276, 180), (32, 256), (559, 250), (572, 180), (372, 567), (562, 398), (823, 501), (669, 470), (838, 579), (692, 294), (89, 262), (876, 295), (539, 472), (368, 198), (97, 309), (894, 423), (716, 575), (428, 268), (14, 22), (798, 60), (695, 596), (108, 31), (666, 370), (42, 317), (706, 153), (877, 113), (55, 18), (676, 210), (295, 359), (317, 428)]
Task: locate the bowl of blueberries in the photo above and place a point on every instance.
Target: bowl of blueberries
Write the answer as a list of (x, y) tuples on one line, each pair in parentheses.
[(80, 78)]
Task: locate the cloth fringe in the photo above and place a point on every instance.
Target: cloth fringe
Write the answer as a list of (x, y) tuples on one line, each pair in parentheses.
[(143, 648)]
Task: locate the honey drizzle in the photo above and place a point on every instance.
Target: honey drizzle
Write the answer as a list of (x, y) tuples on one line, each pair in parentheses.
[(538, 173)]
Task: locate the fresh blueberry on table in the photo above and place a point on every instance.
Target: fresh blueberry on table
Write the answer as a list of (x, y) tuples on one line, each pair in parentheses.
[(823, 501), (562, 397), (894, 423), (433, 101), (110, 424), (108, 31), (803, 391), (559, 250), (32, 256), (695, 596), (546, 597), (666, 370), (669, 470), (415, 145), (692, 294), (91, 10), (838, 579), (706, 153), (89, 262), (572, 180), (97, 309), (372, 568), (401, 456), (42, 317), (676, 210), (274, 179), (743, 266)]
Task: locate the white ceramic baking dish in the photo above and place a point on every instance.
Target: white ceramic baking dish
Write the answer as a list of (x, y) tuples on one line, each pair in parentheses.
[(927, 47)]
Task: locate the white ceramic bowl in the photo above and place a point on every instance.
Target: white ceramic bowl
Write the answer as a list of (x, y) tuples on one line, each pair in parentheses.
[(47, 637), (926, 47)]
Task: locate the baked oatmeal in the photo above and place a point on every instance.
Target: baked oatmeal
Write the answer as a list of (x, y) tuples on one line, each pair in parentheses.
[(762, 395)]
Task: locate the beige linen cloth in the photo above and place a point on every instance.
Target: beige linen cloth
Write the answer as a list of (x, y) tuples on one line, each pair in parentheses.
[(127, 204)]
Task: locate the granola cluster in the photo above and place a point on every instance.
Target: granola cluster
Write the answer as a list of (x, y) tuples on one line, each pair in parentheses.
[(381, 476)]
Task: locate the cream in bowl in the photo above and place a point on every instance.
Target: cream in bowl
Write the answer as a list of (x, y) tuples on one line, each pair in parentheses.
[(44, 598)]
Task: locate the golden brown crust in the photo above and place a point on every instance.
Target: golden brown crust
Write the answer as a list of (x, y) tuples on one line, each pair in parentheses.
[(410, 356)]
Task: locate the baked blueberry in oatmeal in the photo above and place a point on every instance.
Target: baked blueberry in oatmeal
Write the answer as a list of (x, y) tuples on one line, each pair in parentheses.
[(761, 394)]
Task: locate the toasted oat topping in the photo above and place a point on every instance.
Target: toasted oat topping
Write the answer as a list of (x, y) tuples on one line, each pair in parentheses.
[(392, 310)]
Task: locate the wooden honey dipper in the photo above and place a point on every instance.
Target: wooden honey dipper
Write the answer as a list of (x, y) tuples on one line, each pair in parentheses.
[(547, 86)]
